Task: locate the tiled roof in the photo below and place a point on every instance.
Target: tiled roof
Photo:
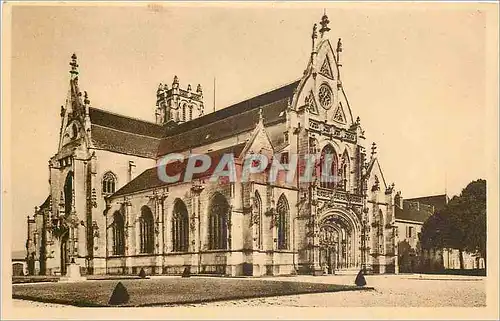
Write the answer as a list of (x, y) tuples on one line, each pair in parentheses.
[(124, 142), (149, 178), (126, 124), (413, 211), (229, 121), (438, 201), (132, 136)]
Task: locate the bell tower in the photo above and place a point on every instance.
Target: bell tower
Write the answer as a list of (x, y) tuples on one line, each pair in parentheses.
[(178, 105)]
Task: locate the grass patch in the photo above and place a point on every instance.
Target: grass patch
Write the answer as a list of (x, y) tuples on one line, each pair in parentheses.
[(151, 292)]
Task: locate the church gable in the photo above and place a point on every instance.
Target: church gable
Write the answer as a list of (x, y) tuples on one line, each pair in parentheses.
[(259, 142), (376, 180)]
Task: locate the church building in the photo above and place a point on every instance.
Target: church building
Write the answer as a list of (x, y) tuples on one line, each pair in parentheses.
[(109, 212)]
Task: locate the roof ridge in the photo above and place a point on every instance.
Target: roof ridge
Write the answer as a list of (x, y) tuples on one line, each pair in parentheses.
[(435, 195), (126, 116), (249, 97)]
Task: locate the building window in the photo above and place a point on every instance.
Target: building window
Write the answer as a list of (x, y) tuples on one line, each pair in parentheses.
[(68, 194), (410, 232), (285, 135), (328, 167), (184, 112), (180, 227), (219, 209), (146, 224), (74, 130), (345, 171), (118, 234), (284, 158), (191, 112), (283, 213), (312, 145), (108, 183)]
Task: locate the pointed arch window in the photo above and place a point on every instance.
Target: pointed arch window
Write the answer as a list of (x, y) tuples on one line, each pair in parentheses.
[(74, 131), (146, 225), (191, 112), (219, 209), (108, 183), (118, 234), (184, 112), (328, 167), (283, 212), (68, 194), (346, 171), (180, 227)]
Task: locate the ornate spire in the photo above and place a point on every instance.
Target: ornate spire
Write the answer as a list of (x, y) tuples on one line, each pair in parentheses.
[(74, 66), (324, 24), (261, 118), (176, 81), (86, 100), (339, 45), (315, 32), (189, 87), (339, 50), (198, 89), (160, 89)]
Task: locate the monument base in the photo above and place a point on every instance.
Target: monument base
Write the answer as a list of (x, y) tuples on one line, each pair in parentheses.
[(72, 274)]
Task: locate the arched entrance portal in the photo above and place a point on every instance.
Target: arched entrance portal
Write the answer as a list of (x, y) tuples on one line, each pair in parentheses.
[(339, 242)]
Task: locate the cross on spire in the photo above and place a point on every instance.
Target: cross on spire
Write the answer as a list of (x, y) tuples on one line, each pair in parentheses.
[(324, 24)]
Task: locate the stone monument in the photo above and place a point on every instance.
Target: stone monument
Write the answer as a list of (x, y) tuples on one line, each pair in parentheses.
[(72, 273)]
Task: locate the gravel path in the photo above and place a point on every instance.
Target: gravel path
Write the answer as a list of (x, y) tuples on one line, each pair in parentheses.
[(390, 291)]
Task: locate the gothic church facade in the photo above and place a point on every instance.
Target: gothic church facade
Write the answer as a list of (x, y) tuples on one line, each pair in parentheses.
[(109, 212)]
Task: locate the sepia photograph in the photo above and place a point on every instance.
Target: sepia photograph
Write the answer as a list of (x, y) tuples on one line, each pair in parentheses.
[(206, 157)]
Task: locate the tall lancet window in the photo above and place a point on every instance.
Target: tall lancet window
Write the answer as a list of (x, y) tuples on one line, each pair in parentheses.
[(283, 212), (68, 194), (219, 209), (180, 227), (328, 167), (346, 171), (146, 225), (118, 234)]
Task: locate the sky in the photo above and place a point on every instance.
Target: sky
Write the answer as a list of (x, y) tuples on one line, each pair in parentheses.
[(415, 76)]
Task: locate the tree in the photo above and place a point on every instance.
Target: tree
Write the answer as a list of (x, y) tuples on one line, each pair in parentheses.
[(461, 224), (473, 200)]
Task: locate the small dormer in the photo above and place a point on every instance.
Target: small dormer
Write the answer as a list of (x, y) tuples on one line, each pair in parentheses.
[(177, 104)]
